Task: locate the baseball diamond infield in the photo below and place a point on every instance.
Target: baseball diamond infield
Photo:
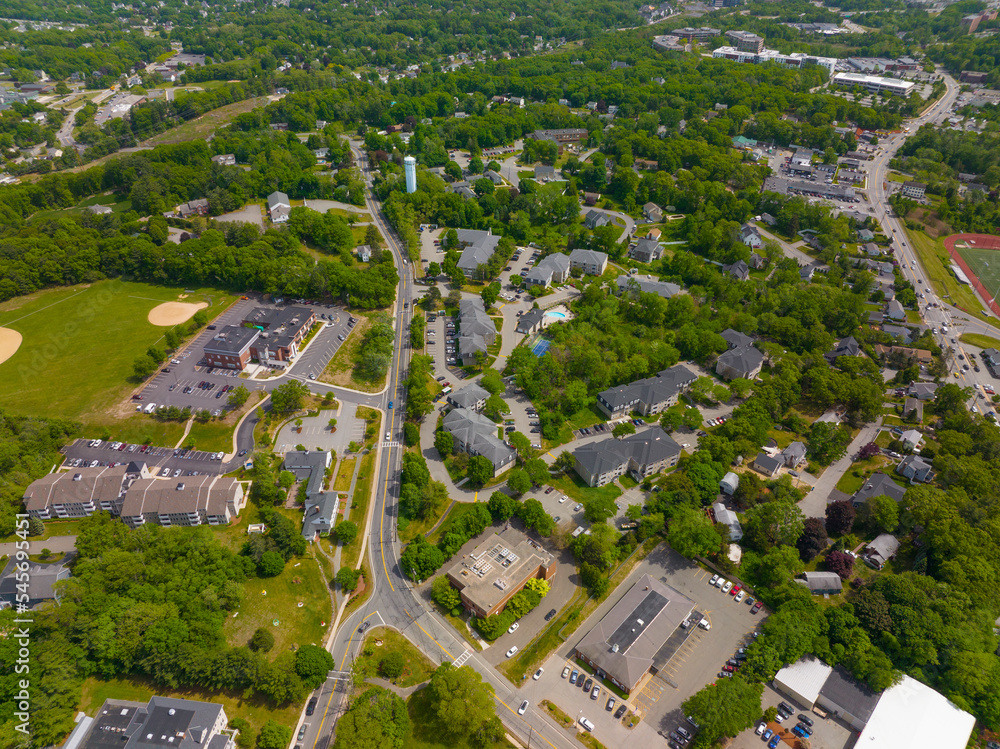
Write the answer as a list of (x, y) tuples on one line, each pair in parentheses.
[(978, 255), (10, 342), (174, 313)]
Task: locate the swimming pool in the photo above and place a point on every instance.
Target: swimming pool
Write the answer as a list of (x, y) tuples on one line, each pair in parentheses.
[(560, 315)]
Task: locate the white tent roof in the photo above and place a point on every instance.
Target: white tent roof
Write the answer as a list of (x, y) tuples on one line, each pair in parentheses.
[(805, 677), (911, 715)]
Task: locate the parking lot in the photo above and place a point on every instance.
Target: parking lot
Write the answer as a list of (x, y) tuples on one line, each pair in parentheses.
[(185, 382), (828, 732), (157, 458), (697, 661)]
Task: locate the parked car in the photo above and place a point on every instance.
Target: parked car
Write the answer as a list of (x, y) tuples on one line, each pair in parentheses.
[(714, 580), (805, 719), (565, 672), (587, 685), (573, 676), (538, 674), (727, 587), (594, 694), (620, 711), (512, 651)]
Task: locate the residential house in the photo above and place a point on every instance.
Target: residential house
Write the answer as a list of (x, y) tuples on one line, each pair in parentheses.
[(865, 236), (881, 550), (99, 210), (845, 347), (278, 207), (320, 515), (793, 456), (876, 485), (767, 465), (595, 218), (757, 262), (653, 213), (545, 173), (924, 391), (750, 237), (309, 466), (641, 455), (916, 355), (739, 270), (197, 207), (646, 250), (493, 177), (915, 468), (822, 583), (872, 249), (729, 483), (364, 253), (647, 285), (591, 198), (894, 311), (911, 439), (647, 396), (742, 361), (475, 434), (729, 519), (33, 586), (906, 335), (531, 321), (807, 272), (225, 159), (591, 262), (913, 408), (768, 219)]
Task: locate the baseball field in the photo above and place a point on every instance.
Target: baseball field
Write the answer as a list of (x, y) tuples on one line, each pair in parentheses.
[(69, 351)]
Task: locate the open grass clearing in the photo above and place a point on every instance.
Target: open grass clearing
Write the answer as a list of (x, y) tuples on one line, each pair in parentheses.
[(213, 436), (409, 529), (575, 488), (359, 510), (980, 341), (380, 641), (341, 369), (79, 343), (344, 474), (202, 127), (255, 711)]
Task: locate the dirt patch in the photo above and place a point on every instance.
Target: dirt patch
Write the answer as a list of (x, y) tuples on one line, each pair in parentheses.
[(174, 313), (10, 342)]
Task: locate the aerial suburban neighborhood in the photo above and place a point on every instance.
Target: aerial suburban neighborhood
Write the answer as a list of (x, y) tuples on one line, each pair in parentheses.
[(434, 377)]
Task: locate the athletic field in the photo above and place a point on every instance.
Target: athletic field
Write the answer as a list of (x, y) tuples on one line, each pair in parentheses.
[(980, 256)]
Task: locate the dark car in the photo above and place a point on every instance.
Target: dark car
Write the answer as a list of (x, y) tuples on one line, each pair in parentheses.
[(756, 608), (311, 707), (548, 616), (588, 684), (620, 711), (364, 627), (805, 719)]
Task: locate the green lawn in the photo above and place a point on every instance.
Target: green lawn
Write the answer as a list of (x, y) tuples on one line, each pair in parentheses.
[(202, 127), (52, 528), (379, 642), (979, 341), (340, 370), (79, 344), (266, 600), (574, 487), (429, 733), (359, 510), (212, 435), (145, 430), (457, 511), (117, 203), (344, 475)]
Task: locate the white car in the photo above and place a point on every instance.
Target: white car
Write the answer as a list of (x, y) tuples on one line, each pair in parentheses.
[(760, 728), (714, 580), (563, 498), (565, 672), (704, 624), (720, 582), (538, 674), (739, 596), (523, 708), (512, 651), (513, 628), (727, 587)]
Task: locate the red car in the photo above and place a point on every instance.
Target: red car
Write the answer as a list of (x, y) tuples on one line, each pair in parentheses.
[(735, 590), (728, 668), (756, 608)]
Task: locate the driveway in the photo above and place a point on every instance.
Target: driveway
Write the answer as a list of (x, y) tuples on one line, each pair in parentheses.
[(55, 544), (814, 503)]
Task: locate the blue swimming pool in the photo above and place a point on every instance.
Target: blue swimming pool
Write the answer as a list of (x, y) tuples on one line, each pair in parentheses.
[(560, 315)]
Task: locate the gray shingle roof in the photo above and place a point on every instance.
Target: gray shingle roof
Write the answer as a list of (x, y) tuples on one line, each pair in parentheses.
[(649, 390), (878, 484)]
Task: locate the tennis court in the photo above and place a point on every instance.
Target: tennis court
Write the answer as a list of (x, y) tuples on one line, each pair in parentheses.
[(540, 347)]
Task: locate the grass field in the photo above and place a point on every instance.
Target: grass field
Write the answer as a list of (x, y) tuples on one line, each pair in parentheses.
[(979, 341), (574, 487), (340, 370), (79, 344), (276, 598), (359, 509), (212, 436), (117, 203), (417, 666), (985, 264), (207, 124)]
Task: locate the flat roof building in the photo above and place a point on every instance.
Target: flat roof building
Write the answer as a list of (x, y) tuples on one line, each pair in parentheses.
[(489, 576), (803, 680), (162, 723), (282, 330), (873, 83), (632, 638), (911, 715), (230, 347)]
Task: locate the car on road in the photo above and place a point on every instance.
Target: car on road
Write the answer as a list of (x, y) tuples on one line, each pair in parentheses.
[(548, 616), (302, 731), (538, 674), (524, 706), (364, 628), (390, 404), (513, 628), (311, 707), (511, 652)]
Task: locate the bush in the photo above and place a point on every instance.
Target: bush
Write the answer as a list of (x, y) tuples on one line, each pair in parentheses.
[(346, 531), (347, 579), (262, 641), (271, 564), (391, 666)]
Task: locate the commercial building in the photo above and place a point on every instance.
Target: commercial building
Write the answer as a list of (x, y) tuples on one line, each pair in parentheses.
[(700, 34), (816, 189), (477, 249), (873, 84), (282, 329), (633, 638), (745, 41), (793, 60), (410, 171), (911, 715), (591, 262), (158, 724), (914, 189), (561, 135), (475, 434), (489, 576), (641, 455), (649, 395), (184, 501), (670, 43), (230, 347)]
